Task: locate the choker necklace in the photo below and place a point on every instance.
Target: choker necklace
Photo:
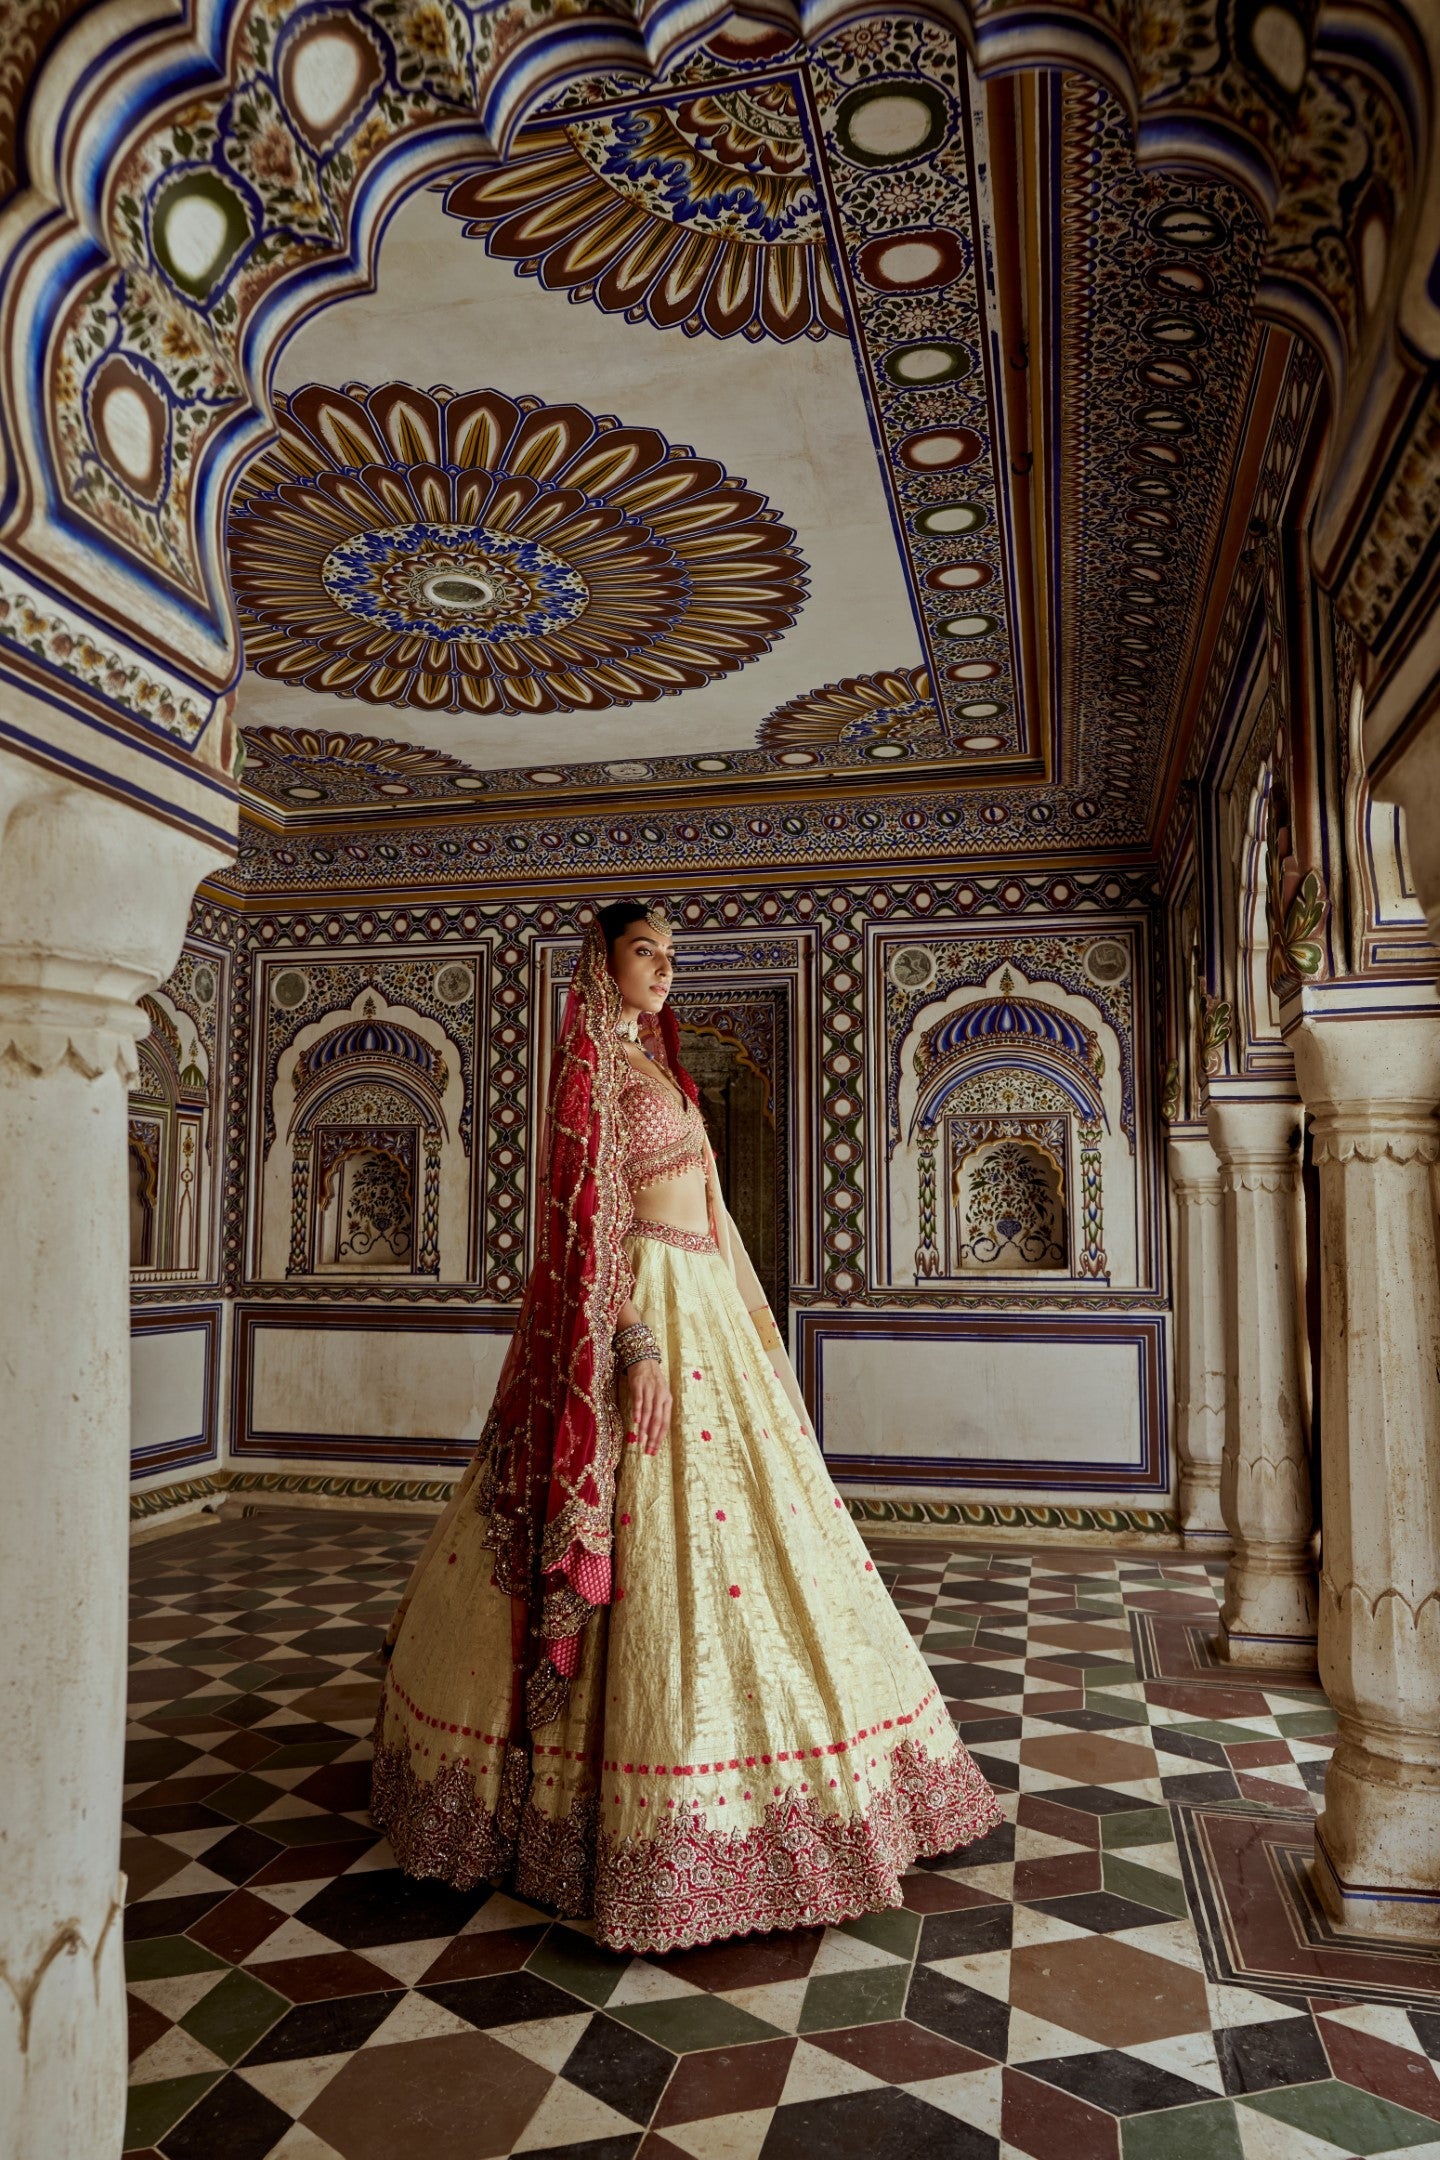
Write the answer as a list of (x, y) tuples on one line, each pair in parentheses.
[(629, 1030)]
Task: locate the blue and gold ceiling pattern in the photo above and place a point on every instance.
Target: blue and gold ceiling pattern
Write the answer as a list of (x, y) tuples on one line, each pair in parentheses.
[(847, 193), (477, 551)]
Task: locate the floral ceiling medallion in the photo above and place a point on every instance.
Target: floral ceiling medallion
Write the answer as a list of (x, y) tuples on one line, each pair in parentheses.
[(877, 712), (702, 215), (299, 767), (480, 553)]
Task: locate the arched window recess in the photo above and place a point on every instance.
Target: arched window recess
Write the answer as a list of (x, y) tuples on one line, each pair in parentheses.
[(1012, 1085), (365, 1168), (167, 1140)]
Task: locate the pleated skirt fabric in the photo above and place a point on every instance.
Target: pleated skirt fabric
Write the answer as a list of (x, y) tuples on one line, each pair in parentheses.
[(753, 1741)]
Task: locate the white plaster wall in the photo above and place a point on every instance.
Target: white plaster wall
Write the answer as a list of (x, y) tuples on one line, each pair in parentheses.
[(380, 1383), (1044, 1402), (167, 1386)]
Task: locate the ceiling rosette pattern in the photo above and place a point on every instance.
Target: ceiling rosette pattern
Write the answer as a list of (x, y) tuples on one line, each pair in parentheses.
[(887, 709), (481, 553), (702, 215), (295, 767)]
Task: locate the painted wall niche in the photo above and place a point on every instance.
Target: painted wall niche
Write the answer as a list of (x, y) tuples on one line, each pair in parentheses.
[(365, 1175), (1009, 1206), (168, 1146), (1011, 1142)]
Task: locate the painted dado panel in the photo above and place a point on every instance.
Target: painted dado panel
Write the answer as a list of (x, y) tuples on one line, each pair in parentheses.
[(174, 1387), (364, 1386), (1074, 1402)]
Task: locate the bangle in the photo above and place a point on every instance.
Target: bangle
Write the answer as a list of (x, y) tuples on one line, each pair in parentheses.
[(634, 1343)]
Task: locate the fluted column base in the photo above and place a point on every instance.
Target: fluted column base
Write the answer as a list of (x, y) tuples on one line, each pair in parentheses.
[(1377, 1843), (1200, 1360), (1372, 1089), (93, 904), (1268, 1614)]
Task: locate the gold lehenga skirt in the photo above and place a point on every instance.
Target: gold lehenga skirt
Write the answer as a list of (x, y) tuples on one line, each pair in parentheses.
[(753, 1740)]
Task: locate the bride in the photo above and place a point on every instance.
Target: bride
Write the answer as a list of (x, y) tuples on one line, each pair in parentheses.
[(645, 1671)]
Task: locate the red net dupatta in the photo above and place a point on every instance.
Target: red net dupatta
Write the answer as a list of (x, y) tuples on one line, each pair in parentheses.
[(544, 1473), (552, 1443)]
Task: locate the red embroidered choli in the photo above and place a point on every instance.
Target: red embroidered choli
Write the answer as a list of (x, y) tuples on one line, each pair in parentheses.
[(662, 1134)]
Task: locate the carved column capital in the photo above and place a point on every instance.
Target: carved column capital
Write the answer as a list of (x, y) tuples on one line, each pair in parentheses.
[(1256, 1143), (1371, 1085), (1356, 1133), (1195, 1174), (93, 900), (73, 1010)]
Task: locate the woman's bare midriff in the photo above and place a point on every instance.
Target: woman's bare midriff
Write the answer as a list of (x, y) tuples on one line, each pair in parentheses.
[(680, 1203)]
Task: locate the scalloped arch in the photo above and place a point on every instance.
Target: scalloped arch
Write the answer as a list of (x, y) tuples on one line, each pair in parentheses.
[(232, 208)]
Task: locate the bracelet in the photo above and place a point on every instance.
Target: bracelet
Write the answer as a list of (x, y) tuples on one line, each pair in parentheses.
[(635, 1343)]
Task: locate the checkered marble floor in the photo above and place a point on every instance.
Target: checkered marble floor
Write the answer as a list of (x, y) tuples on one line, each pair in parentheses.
[(1132, 1968)]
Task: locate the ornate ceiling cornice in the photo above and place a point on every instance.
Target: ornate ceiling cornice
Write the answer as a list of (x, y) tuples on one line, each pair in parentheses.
[(143, 331)]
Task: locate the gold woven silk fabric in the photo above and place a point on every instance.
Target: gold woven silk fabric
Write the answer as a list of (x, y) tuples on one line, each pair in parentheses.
[(754, 1740)]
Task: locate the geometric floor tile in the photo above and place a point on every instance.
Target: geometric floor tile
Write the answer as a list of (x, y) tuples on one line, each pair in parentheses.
[(1127, 1969), (1260, 1923)]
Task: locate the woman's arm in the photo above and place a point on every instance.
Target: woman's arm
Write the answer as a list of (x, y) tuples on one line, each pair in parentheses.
[(649, 1390)]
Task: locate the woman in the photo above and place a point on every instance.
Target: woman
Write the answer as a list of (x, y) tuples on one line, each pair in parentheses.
[(645, 1670)]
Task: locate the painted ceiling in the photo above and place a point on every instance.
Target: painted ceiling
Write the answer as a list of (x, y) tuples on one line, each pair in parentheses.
[(814, 413)]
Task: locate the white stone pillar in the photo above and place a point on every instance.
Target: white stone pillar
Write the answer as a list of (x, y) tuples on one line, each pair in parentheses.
[(93, 904), (1268, 1613), (1200, 1362), (1371, 1083)]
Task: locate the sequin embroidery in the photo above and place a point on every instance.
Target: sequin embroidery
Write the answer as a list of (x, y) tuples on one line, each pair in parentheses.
[(661, 1135), (697, 1241)]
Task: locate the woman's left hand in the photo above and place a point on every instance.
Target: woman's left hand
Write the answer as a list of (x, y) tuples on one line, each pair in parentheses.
[(649, 1403)]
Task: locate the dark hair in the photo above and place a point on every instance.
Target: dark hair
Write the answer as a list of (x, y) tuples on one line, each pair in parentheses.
[(618, 916)]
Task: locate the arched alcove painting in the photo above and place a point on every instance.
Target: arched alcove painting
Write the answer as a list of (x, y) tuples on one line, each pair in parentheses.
[(366, 1137), (1011, 1147), (168, 1144), (366, 1202), (1008, 1197)]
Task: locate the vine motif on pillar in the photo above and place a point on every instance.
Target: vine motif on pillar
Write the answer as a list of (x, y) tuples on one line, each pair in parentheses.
[(428, 1262), (1094, 1263), (300, 1168), (1345, 648), (143, 1142), (927, 1252), (1214, 1025), (1296, 902), (1170, 1092)]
